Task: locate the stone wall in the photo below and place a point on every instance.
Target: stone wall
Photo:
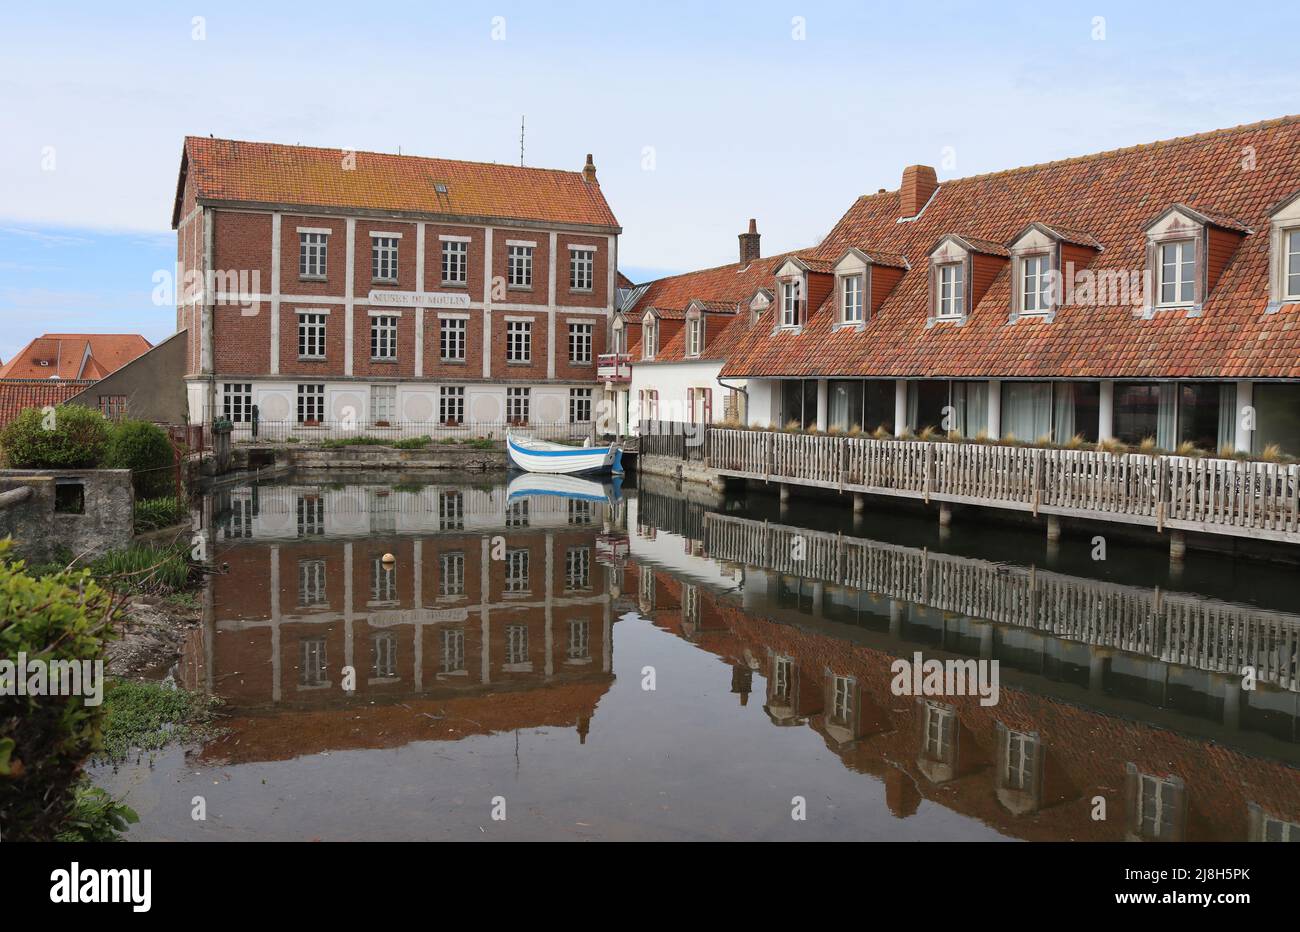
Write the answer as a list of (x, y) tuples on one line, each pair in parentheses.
[(83, 511)]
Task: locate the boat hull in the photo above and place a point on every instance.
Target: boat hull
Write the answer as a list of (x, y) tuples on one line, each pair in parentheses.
[(568, 461)]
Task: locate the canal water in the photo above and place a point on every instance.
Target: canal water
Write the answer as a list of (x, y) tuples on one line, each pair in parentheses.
[(562, 660)]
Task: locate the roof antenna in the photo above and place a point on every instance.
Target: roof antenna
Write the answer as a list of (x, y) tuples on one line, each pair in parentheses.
[(521, 142)]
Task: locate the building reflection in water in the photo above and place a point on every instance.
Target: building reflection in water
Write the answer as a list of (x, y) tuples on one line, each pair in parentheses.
[(1121, 713), (492, 614)]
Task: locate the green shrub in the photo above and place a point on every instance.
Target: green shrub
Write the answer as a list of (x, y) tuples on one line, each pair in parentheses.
[(413, 443), (70, 437), (154, 513), (44, 740), (150, 716), (333, 443), (95, 816), (144, 449), (142, 570)]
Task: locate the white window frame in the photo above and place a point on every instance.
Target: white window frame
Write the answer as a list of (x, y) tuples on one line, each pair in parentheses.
[(311, 335), (518, 404), (1020, 768), (519, 341), (451, 405), (852, 312), (580, 342), (453, 338), (1160, 805), (383, 258), (519, 266), (383, 338), (791, 301), (452, 658), (1184, 256), (579, 640), (455, 262), (313, 584), (383, 655), (516, 645), (313, 662), (577, 569), (451, 579), (383, 403), (311, 400), (313, 255), (650, 340), (383, 581), (842, 699), (1035, 293), (518, 565), (451, 510), (1291, 263), (237, 402), (582, 269), (695, 336), (951, 291), (579, 405)]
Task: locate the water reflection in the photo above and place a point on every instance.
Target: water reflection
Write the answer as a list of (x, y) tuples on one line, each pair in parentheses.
[(1120, 713)]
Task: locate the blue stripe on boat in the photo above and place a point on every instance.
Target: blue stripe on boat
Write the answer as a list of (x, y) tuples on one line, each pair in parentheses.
[(576, 451)]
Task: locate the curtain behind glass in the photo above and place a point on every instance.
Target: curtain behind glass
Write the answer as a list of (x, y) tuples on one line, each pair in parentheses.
[(1026, 410), (975, 417), (913, 403), (1063, 418), (1166, 423), (839, 405), (1228, 415)]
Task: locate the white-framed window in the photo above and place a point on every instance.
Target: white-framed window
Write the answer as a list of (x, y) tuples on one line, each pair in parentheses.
[(579, 640), (112, 407), (580, 344), (311, 662), (383, 337), (791, 300), (1156, 800), (516, 644), (952, 290), (1278, 830), (1022, 753), (1293, 264), (451, 581), (517, 513), (451, 336), (842, 700), (312, 249), (517, 565), (579, 405), (1035, 284), (455, 262), (577, 568), (695, 336), (782, 671), (311, 584), (518, 403), (383, 403), (650, 342), (383, 581), (311, 515), (938, 730), (383, 655), (1178, 272), (453, 650), (582, 267), (311, 402), (579, 511), (383, 258), (519, 341), (519, 266), (311, 336), (851, 299), (237, 402), (451, 510), (451, 405)]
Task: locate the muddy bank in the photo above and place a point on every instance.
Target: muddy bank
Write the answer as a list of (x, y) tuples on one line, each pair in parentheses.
[(151, 631)]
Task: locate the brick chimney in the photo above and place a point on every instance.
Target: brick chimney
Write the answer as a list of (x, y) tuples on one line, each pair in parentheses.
[(919, 182), (749, 244), (589, 171)]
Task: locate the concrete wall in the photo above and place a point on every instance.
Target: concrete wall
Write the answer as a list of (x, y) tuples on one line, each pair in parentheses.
[(152, 384), (40, 530)]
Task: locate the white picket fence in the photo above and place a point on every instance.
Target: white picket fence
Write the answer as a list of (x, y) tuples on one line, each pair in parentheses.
[(1217, 496)]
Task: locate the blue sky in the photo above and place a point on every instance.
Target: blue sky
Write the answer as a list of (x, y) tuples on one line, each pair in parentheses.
[(699, 115)]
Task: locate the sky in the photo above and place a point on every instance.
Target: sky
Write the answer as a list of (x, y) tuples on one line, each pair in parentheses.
[(698, 115)]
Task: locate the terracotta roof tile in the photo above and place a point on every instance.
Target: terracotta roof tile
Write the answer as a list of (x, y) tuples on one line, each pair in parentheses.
[(74, 355), (306, 176), (17, 395)]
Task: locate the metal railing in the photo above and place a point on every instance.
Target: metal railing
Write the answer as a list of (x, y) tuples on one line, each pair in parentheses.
[(392, 431)]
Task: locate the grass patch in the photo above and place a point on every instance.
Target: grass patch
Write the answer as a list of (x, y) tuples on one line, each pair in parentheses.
[(154, 513), (334, 443), (150, 716), (143, 570), (413, 443)]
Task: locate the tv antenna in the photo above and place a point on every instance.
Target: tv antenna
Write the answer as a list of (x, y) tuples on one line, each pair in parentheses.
[(521, 142)]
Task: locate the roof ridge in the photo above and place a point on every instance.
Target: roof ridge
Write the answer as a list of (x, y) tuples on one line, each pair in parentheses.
[(395, 155), (727, 265)]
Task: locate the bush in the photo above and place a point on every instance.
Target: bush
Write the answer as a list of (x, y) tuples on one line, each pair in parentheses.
[(413, 443), (154, 513), (74, 437), (95, 816), (44, 740), (144, 449)]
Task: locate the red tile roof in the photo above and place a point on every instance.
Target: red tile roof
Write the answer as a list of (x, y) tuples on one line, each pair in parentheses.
[(1113, 196), (225, 170), (16, 395), (74, 355)]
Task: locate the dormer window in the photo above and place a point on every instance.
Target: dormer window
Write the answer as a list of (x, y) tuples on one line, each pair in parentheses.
[(1177, 273), (1284, 274), (952, 291), (851, 299), (791, 299), (1293, 264), (695, 336), (650, 338), (1035, 284)]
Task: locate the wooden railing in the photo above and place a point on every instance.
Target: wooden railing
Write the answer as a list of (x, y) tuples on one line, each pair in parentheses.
[(1219, 496), (1171, 627), (677, 439)]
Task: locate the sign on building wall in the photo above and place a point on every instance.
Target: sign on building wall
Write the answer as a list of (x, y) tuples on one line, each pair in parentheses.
[(417, 299)]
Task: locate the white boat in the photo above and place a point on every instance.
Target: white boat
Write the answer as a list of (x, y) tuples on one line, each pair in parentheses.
[(545, 457), (529, 485)]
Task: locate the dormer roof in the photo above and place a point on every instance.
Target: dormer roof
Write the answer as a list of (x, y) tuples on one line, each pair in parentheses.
[(1204, 217), (1059, 233)]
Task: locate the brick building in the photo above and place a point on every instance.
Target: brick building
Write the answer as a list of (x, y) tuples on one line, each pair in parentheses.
[(339, 290)]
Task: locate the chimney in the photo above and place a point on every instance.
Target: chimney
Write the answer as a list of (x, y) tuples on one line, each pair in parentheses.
[(589, 171), (919, 182), (749, 244)]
